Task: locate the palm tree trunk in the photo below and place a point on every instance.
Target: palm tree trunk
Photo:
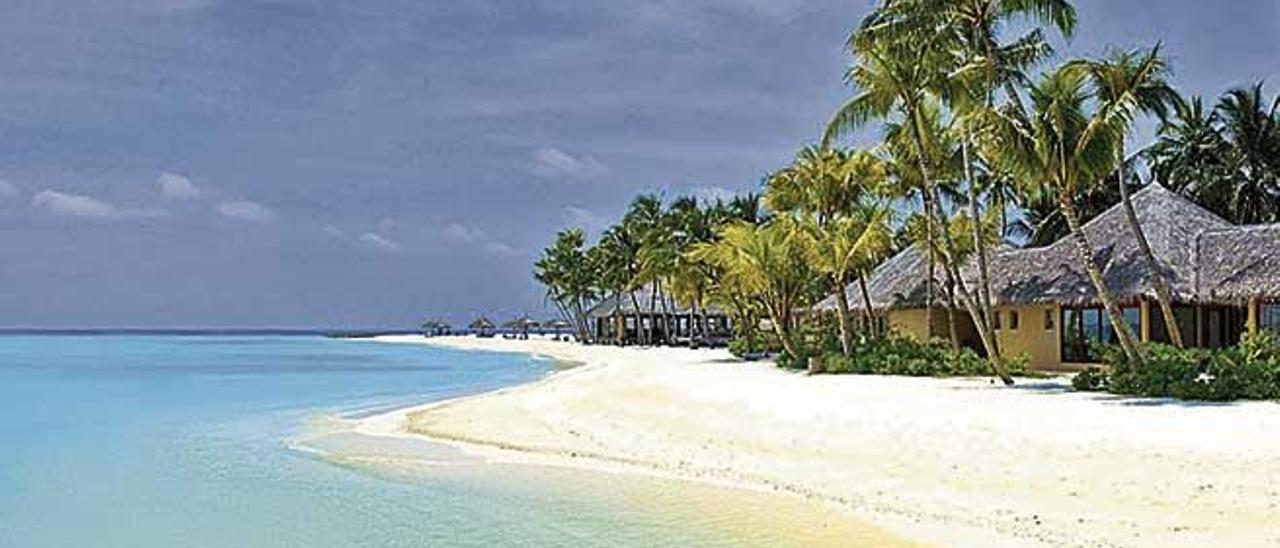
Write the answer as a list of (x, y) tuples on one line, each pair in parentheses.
[(635, 303), (866, 305), (979, 243), (1163, 295), (693, 314), (653, 307), (928, 236), (979, 320), (953, 332), (782, 328), (1085, 252), (842, 309), (619, 320)]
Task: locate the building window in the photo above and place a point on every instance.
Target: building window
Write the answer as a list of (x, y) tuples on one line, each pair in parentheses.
[(1269, 317), (1048, 319), (1083, 325), (996, 316), (1013, 320)]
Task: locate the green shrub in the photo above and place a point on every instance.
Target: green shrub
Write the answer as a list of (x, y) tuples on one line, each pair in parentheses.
[(1093, 379), (1248, 371), (741, 346), (897, 355)]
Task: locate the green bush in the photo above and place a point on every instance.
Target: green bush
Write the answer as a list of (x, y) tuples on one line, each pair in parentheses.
[(1093, 379), (897, 355), (1248, 371)]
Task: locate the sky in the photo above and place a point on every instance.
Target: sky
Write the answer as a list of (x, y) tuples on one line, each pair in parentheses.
[(307, 163)]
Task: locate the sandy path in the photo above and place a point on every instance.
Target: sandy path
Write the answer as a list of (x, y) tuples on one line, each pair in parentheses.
[(949, 462)]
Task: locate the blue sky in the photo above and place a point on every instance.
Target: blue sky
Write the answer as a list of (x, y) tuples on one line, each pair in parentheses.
[(323, 163)]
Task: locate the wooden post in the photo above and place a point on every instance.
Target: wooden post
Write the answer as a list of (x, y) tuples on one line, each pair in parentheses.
[(1253, 315), (1144, 319)]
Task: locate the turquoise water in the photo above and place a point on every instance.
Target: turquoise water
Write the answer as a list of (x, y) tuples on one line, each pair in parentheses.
[(144, 441)]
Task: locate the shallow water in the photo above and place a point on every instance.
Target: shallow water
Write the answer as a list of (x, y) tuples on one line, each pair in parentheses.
[(190, 441)]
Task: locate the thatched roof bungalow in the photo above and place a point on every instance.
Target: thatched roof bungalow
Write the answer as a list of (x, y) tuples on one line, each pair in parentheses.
[(1225, 279), (655, 319)]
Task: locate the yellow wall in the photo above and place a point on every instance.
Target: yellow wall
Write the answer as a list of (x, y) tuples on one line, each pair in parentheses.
[(1033, 339), (1037, 341), (912, 322)]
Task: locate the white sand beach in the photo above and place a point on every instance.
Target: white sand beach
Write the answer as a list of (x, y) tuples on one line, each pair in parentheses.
[(943, 462)]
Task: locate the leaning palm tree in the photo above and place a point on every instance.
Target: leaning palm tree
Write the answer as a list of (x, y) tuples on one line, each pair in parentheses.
[(1060, 146), (988, 65), (1127, 84), (893, 78)]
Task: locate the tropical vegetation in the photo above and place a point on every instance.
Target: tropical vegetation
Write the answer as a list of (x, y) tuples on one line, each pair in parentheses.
[(985, 139)]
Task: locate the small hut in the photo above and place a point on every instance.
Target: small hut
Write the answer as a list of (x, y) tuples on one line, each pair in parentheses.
[(521, 326), (483, 327), (436, 328), (557, 327)]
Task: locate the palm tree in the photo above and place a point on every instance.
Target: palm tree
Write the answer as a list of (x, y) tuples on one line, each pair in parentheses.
[(845, 248), (1252, 125), (570, 281), (1226, 159), (987, 65), (688, 280), (1060, 145), (614, 258), (1128, 84), (768, 265), (1190, 154), (832, 193), (892, 76), (642, 222)]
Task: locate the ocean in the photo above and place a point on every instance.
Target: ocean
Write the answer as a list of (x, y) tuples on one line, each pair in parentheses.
[(180, 440)]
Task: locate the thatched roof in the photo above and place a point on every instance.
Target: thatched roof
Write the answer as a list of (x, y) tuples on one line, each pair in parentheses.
[(523, 322), (1239, 263), (610, 306), (482, 323), (556, 323), (1202, 256)]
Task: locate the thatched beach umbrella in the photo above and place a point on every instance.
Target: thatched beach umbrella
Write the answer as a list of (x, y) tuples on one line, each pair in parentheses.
[(482, 326), (523, 324), (433, 328)]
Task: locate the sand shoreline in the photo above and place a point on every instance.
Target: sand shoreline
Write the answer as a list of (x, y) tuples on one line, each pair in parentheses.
[(947, 462)]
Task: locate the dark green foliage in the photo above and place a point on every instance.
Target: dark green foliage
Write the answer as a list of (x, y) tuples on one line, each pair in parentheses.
[(1092, 379), (754, 342), (1248, 371), (898, 355)]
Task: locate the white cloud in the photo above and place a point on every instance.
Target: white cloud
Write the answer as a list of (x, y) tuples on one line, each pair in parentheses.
[(8, 190), (380, 243), (333, 232), (74, 205), (173, 185), (463, 235), (555, 163), (246, 211), (460, 234), (500, 249)]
